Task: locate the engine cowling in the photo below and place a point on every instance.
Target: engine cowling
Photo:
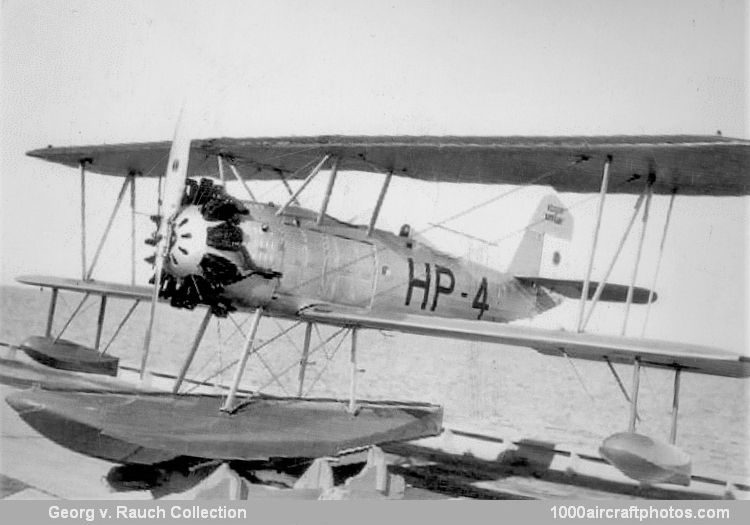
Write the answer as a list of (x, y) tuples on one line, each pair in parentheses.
[(206, 249)]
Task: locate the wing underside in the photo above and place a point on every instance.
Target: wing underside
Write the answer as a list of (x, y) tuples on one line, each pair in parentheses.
[(695, 165), (595, 347), (657, 353)]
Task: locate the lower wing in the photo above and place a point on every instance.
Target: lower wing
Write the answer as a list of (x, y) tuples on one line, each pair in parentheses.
[(650, 352)]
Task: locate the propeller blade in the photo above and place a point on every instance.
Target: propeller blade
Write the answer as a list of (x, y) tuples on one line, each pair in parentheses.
[(174, 188), (179, 155)]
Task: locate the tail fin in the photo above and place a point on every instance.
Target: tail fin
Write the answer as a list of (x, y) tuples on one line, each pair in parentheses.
[(550, 218)]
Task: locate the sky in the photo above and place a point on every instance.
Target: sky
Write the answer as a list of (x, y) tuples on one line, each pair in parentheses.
[(84, 72)]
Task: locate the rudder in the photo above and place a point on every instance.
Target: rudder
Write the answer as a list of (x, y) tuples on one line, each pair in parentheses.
[(550, 218)]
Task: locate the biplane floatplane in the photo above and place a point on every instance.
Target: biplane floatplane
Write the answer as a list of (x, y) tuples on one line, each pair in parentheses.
[(228, 254)]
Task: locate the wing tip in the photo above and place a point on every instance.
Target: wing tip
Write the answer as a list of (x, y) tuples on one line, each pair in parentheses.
[(39, 153)]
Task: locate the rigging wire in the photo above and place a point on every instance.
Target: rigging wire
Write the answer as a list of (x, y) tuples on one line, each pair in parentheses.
[(233, 362), (329, 360)]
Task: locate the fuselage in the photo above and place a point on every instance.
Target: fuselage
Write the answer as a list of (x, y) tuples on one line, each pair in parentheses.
[(290, 261)]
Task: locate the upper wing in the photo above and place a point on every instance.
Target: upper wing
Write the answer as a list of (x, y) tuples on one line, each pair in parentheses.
[(711, 165), (689, 357)]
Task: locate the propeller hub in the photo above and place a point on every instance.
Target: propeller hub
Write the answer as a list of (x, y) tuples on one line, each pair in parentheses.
[(187, 244)]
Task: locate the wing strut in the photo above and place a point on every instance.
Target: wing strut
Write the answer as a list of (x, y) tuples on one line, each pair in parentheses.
[(329, 190), (51, 312), (594, 240), (629, 299), (83, 219), (100, 322), (603, 282), (658, 261), (304, 184), (132, 231), (675, 406), (128, 180), (222, 177), (379, 204), (119, 326), (634, 398), (72, 316), (233, 169), (619, 383)]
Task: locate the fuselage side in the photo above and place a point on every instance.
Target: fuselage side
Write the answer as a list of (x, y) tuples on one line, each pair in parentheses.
[(339, 264)]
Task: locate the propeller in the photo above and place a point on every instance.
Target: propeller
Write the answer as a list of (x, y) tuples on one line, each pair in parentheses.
[(174, 188)]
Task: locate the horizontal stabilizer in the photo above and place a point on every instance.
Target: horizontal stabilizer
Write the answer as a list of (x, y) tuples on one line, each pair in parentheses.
[(615, 293)]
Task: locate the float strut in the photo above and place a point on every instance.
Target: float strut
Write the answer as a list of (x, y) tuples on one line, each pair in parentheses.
[(119, 326), (100, 322), (675, 407), (72, 316), (249, 341), (594, 240), (193, 349), (51, 313), (353, 380), (303, 360), (634, 395), (329, 189), (379, 203)]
